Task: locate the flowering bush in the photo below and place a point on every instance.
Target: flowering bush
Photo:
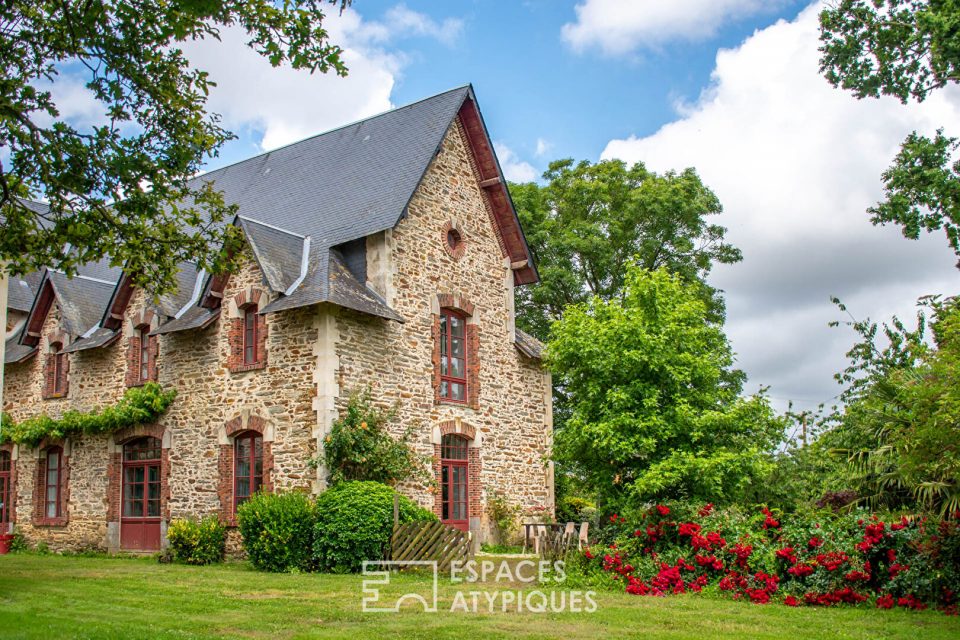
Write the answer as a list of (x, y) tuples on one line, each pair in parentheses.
[(820, 559)]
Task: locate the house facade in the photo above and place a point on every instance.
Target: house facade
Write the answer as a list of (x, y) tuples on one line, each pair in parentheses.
[(381, 256)]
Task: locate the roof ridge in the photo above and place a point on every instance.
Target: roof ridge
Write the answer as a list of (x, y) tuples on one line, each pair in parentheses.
[(329, 131)]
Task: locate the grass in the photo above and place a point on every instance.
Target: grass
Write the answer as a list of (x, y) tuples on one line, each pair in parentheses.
[(48, 596)]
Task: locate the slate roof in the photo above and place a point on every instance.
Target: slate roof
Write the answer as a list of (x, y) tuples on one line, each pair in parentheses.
[(16, 352), (528, 345), (82, 300), (296, 205), (22, 290)]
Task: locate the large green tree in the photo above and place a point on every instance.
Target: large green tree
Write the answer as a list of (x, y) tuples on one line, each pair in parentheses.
[(589, 221), (899, 429), (120, 189), (655, 411), (906, 49)]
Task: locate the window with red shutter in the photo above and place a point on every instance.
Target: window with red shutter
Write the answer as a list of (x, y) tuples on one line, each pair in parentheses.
[(247, 466), (52, 483)]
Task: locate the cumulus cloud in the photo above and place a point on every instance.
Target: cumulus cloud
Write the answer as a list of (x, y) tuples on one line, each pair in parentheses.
[(796, 164), (514, 169), (284, 105), (620, 26)]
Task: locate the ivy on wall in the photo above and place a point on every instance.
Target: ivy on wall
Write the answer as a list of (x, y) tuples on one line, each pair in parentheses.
[(139, 405)]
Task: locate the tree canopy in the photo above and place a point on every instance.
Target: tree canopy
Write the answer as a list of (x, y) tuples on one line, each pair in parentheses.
[(906, 49), (591, 220), (121, 187), (655, 412)]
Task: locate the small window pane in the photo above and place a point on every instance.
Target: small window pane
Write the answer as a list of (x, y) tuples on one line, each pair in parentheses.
[(456, 368), (456, 326), (457, 346), (458, 391)]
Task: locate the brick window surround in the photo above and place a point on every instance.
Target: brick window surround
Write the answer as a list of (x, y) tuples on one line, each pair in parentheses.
[(474, 488), (115, 469), (451, 235), (226, 464), (8, 470), (466, 309), (135, 351), (56, 369), (40, 517), (239, 332)]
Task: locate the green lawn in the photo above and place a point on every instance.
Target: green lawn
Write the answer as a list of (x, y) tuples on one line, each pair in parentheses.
[(70, 597)]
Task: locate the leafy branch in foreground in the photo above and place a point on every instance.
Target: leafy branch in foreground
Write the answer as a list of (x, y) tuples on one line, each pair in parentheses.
[(122, 185)]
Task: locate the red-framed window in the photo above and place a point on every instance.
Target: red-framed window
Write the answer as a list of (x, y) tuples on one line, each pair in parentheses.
[(6, 490), (59, 369), (144, 359), (250, 355), (454, 484), (453, 356), (53, 483), (247, 466)]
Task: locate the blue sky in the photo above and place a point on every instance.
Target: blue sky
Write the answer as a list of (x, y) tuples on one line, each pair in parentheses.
[(533, 86), (730, 87)]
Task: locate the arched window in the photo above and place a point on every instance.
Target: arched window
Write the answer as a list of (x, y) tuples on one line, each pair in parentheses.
[(250, 355), (6, 491), (247, 466), (53, 483), (454, 471), (453, 356)]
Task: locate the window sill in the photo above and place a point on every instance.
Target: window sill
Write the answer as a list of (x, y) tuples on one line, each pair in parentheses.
[(139, 383), (248, 367), (55, 396)]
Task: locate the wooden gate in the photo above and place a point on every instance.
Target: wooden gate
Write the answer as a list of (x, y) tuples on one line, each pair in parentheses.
[(430, 541)]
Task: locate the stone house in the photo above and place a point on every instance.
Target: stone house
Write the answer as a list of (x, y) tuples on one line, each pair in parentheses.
[(382, 255)]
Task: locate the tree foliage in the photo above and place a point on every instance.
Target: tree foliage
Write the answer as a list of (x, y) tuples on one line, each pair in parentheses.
[(121, 187), (655, 411), (906, 49), (360, 447), (591, 220), (900, 428)]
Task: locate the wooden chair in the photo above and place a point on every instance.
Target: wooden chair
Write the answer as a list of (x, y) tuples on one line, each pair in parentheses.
[(582, 542)]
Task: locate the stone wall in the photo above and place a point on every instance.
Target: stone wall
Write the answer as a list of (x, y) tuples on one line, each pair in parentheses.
[(512, 421)]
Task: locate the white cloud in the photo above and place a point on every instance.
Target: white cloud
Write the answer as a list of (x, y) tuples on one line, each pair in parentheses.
[(620, 26), (287, 105), (514, 169), (543, 146), (796, 163), (402, 21)]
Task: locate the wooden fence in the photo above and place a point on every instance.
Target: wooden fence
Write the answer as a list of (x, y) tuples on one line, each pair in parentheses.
[(430, 541)]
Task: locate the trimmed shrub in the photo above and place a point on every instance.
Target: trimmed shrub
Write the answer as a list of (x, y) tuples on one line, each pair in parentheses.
[(277, 531), (198, 542), (354, 522)]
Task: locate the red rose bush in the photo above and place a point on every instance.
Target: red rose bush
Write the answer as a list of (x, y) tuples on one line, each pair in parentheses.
[(819, 559)]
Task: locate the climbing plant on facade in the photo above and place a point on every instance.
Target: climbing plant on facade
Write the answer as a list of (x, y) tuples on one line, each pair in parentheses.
[(139, 405)]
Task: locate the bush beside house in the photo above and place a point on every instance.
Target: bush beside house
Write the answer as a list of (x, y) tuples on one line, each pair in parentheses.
[(354, 523), (277, 530), (198, 541)]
